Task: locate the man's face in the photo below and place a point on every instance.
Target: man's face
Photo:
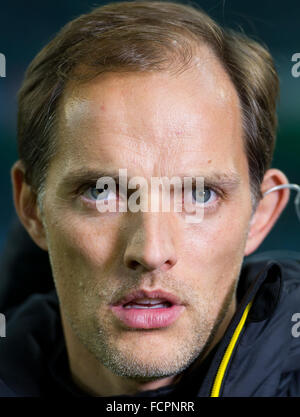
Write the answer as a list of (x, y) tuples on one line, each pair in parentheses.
[(154, 125)]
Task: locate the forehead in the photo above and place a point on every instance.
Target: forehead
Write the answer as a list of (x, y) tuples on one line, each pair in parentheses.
[(153, 121)]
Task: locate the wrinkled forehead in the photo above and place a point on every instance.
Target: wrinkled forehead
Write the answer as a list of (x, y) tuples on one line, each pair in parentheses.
[(138, 118)]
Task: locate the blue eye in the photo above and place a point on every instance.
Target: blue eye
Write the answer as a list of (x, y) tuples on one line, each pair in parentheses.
[(202, 197), (98, 193)]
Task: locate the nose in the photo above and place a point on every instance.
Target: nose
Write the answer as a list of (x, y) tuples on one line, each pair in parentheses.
[(151, 245)]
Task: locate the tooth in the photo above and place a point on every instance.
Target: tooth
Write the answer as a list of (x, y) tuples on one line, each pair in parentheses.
[(148, 300), (159, 306), (143, 307)]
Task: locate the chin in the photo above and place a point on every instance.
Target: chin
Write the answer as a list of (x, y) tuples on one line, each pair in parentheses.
[(140, 364)]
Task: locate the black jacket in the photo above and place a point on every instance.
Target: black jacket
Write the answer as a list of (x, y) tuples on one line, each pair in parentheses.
[(258, 356)]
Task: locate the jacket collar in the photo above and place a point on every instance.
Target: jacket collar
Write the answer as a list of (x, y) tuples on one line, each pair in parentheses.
[(260, 283)]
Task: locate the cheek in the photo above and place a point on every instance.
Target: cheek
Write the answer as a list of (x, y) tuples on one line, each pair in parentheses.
[(88, 238), (215, 251), (81, 252)]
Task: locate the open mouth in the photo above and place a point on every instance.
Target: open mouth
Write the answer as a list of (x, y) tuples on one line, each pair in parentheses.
[(148, 303), (148, 310)]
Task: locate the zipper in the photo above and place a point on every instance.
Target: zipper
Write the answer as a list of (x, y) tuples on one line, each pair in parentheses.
[(216, 388)]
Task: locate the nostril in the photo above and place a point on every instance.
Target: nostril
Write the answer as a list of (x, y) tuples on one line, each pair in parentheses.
[(133, 264)]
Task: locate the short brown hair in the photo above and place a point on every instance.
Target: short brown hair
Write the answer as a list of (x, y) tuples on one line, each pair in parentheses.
[(145, 36)]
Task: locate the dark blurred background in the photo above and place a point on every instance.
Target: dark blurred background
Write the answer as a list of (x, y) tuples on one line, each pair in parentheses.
[(25, 27)]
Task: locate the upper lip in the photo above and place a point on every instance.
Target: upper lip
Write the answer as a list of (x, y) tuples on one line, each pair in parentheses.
[(148, 294)]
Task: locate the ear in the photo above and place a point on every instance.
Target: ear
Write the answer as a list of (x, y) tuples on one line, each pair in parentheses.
[(268, 210), (25, 200)]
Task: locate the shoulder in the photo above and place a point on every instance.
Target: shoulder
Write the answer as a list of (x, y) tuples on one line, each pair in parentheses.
[(32, 330), (287, 261), (267, 362)]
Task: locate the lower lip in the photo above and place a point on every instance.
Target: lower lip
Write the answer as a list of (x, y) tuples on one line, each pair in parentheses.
[(148, 318)]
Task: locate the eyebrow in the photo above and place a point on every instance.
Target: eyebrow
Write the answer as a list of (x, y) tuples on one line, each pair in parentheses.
[(228, 179)]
